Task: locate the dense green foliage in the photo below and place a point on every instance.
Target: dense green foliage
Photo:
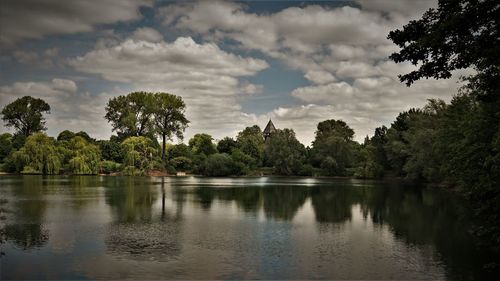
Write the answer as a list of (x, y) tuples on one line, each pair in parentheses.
[(202, 144), (86, 157), (251, 142), (25, 115), (111, 150), (438, 143), (285, 153), (130, 115), (65, 135), (39, 155), (333, 148), (109, 167), (226, 145), (140, 155), (148, 114), (456, 35), (5, 146), (221, 164)]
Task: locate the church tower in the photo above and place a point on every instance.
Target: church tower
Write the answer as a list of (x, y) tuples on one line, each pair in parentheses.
[(269, 130)]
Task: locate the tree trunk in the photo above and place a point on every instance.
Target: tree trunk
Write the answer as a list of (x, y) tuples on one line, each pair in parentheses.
[(163, 148)]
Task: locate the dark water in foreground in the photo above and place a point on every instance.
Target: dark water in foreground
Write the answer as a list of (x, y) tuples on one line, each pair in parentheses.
[(231, 228)]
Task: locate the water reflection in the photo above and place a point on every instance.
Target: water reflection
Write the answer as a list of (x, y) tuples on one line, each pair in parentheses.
[(131, 199), (263, 228), (23, 224), (414, 215), (283, 202), (332, 204), (139, 231)]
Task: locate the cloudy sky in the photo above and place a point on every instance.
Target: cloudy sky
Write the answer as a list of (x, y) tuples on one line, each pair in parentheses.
[(234, 63)]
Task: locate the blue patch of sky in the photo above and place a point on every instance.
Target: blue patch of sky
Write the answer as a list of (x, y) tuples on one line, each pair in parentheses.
[(276, 6), (279, 81)]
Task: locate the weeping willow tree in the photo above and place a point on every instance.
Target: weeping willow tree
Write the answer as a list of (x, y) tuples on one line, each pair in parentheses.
[(39, 155), (86, 157), (140, 155)]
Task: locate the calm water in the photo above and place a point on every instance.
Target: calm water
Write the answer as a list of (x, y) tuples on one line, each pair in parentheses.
[(231, 228)]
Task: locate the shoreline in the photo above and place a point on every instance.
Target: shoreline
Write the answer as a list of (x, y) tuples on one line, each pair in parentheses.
[(202, 176)]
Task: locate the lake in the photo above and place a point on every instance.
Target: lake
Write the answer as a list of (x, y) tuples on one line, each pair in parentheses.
[(98, 227)]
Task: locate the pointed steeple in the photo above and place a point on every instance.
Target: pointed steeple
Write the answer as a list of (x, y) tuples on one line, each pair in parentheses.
[(269, 130)]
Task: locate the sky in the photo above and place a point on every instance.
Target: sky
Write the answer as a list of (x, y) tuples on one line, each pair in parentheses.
[(235, 63)]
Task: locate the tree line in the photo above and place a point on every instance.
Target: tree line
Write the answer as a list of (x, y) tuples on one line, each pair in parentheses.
[(433, 143), (140, 118)]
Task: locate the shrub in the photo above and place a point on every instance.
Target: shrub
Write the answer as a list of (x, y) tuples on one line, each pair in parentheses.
[(170, 169), (108, 167), (182, 163), (5, 146), (220, 164), (306, 170), (329, 167), (111, 150)]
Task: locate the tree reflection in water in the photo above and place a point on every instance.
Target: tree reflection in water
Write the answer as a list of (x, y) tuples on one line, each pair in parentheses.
[(148, 219), (23, 223), (137, 232), (415, 215)]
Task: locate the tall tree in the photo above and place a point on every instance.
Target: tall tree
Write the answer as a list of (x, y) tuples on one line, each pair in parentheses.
[(332, 127), (202, 144), (285, 152), (26, 115), (169, 117), (457, 35), (226, 145), (131, 115), (251, 142), (333, 147)]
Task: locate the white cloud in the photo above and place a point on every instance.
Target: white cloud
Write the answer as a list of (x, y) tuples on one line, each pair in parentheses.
[(366, 104), (70, 109), (45, 59), (147, 34), (141, 61), (342, 51), (205, 76), (32, 19), (319, 76), (302, 29), (329, 93), (251, 89)]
